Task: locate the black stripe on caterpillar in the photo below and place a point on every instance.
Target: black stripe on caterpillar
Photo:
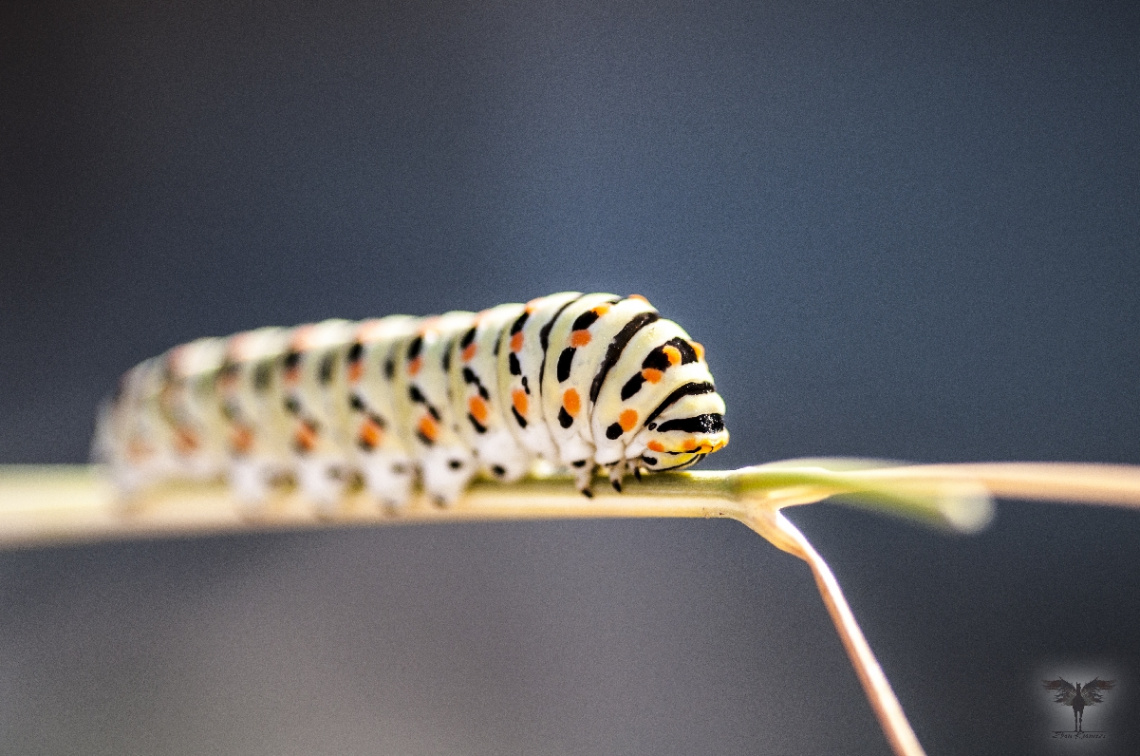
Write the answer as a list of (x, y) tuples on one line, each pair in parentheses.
[(586, 381)]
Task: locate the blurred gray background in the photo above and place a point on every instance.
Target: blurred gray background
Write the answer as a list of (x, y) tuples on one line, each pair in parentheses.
[(901, 232)]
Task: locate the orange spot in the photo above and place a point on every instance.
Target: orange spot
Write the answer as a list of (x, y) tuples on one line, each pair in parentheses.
[(478, 409), (519, 399), (571, 402), (428, 427), (627, 419), (699, 349), (652, 375), (690, 445), (638, 297), (138, 450), (469, 352), (657, 446), (185, 441), (579, 338), (371, 433), (601, 310), (516, 342), (242, 439), (415, 365), (305, 437), (355, 371), (673, 354), (293, 375)]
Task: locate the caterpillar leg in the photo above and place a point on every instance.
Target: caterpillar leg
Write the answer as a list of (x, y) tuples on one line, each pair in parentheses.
[(446, 472), (583, 472), (388, 478), (618, 471), (322, 481)]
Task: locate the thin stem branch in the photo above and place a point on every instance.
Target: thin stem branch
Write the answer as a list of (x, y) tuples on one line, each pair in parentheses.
[(776, 529)]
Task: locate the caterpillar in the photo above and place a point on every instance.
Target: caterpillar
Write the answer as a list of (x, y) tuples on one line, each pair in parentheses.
[(585, 381)]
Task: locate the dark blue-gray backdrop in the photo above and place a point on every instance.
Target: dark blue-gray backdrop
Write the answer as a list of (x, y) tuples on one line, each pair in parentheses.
[(901, 231)]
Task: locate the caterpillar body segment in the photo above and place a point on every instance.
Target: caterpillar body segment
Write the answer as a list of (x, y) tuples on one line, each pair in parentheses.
[(476, 389), (249, 388), (585, 381), (524, 354), (378, 421), (447, 463), (314, 390)]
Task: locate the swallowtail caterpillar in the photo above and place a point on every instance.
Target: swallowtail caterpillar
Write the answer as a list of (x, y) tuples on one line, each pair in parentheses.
[(584, 381)]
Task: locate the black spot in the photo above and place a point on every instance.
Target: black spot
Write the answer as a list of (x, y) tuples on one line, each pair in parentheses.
[(498, 471), (292, 359), (355, 352), (454, 464), (390, 369), (565, 360), (292, 406), (587, 493), (415, 395), (433, 412), (710, 423), (632, 386), (513, 364), (262, 377), (585, 320), (578, 463), (381, 422), (325, 373), (365, 444), (356, 402), (467, 339), (652, 426), (614, 432), (415, 347), (518, 324), (446, 361), (616, 485), (478, 426), (424, 439), (564, 418), (518, 418), (656, 360), (648, 460), (469, 376)]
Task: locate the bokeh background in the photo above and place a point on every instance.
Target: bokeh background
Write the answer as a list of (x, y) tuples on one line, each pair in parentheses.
[(901, 231)]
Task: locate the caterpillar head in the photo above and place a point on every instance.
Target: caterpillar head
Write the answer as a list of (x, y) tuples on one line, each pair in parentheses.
[(683, 432)]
